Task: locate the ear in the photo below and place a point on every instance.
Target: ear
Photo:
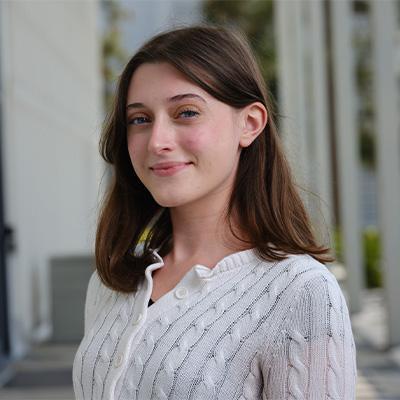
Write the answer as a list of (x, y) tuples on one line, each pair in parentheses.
[(254, 118)]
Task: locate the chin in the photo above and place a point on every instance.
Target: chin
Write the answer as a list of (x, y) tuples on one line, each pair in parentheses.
[(169, 201)]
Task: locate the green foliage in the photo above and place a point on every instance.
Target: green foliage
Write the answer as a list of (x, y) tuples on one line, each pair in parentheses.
[(338, 245), (255, 19), (372, 254)]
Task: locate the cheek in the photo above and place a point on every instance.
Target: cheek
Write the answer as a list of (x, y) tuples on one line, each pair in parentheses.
[(214, 149), (135, 148), (194, 143), (201, 140)]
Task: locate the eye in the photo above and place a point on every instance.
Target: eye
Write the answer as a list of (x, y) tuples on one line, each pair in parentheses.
[(188, 113), (138, 120)]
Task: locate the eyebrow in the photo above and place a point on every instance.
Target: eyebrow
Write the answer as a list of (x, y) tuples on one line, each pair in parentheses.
[(175, 98)]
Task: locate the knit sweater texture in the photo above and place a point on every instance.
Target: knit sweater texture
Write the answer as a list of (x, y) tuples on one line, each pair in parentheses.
[(245, 329)]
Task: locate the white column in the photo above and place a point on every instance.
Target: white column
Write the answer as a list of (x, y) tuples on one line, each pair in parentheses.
[(303, 102), (320, 146), (387, 124), (292, 86), (347, 146)]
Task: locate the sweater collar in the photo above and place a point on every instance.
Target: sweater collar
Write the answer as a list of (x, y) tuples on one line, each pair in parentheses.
[(229, 262)]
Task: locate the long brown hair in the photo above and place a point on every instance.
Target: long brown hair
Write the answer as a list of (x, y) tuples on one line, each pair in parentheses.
[(269, 209)]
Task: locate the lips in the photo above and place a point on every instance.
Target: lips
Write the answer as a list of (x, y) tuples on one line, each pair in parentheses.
[(169, 168), (167, 165)]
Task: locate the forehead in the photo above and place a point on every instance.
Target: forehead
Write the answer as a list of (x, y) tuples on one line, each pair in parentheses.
[(156, 80)]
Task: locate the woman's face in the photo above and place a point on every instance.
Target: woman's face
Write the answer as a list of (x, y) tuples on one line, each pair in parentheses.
[(172, 120)]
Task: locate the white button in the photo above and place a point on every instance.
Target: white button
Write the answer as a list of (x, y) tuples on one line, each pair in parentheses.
[(138, 319), (181, 292), (118, 360)]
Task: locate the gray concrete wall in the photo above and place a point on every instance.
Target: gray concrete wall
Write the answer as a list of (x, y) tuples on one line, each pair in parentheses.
[(69, 280)]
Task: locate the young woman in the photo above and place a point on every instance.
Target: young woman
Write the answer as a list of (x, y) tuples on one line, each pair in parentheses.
[(228, 296)]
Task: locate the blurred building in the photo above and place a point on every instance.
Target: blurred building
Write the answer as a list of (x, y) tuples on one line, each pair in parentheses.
[(51, 100)]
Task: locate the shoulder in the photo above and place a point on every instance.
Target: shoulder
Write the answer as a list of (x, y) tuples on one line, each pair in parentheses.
[(312, 269), (297, 269), (317, 295), (92, 292), (95, 285), (315, 273), (315, 278), (98, 294), (94, 282), (300, 279)]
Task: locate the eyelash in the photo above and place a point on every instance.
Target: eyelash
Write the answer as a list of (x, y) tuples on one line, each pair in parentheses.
[(132, 121), (188, 110), (193, 112)]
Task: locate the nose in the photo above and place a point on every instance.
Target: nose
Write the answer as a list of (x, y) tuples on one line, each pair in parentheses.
[(162, 136)]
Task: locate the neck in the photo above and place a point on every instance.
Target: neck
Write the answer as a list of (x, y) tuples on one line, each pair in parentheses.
[(202, 237)]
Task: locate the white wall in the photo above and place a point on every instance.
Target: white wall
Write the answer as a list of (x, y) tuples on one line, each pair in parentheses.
[(51, 96)]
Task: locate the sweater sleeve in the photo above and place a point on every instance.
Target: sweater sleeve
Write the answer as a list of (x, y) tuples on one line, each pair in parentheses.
[(314, 355), (91, 300)]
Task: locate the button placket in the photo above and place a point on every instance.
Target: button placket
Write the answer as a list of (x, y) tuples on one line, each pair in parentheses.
[(181, 292), (137, 320)]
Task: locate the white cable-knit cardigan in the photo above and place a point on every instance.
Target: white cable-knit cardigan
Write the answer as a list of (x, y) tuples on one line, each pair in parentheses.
[(245, 329)]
